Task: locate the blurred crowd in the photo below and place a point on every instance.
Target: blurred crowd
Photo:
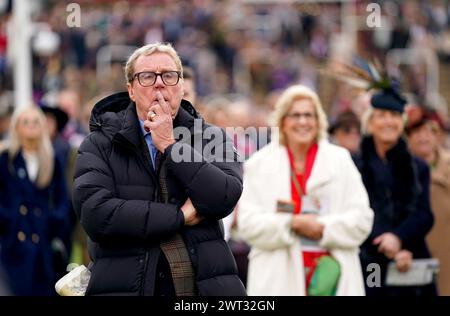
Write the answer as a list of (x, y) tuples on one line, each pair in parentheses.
[(249, 48), (240, 56)]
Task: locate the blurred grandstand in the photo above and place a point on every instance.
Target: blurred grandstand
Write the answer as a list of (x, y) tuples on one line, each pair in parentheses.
[(247, 48)]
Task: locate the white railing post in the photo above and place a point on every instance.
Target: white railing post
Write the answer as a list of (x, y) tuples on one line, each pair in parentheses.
[(20, 40)]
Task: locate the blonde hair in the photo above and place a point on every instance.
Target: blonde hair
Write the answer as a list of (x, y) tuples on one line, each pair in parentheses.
[(284, 104), (147, 50), (45, 150)]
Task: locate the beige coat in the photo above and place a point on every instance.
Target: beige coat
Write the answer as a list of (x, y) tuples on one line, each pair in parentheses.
[(275, 261), (439, 237)]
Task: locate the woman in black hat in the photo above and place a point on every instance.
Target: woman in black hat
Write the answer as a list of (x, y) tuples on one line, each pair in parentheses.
[(398, 187), (56, 121), (66, 154)]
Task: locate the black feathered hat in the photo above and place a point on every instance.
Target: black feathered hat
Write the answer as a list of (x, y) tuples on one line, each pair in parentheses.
[(388, 99), (367, 76)]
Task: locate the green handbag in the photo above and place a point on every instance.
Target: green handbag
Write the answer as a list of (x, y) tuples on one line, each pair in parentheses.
[(325, 277)]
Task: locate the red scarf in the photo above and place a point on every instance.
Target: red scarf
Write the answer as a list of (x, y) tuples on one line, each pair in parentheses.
[(309, 162), (309, 258)]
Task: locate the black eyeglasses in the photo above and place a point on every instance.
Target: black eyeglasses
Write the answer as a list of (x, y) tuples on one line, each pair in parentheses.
[(148, 78)]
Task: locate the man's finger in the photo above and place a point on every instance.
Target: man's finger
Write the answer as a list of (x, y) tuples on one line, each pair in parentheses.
[(163, 103), (149, 125), (151, 116), (157, 109), (197, 219)]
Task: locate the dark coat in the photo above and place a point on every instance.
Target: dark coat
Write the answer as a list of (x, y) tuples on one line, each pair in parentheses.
[(401, 207), (30, 218), (118, 199), (66, 155)]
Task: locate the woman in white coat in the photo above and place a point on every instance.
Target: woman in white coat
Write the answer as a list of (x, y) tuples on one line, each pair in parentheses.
[(303, 198)]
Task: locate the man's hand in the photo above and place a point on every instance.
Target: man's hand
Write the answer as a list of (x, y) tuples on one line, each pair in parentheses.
[(388, 244), (159, 123), (306, 225), (191, 217), (403, 260)]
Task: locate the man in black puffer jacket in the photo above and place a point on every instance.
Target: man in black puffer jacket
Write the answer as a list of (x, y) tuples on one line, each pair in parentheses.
[(152, 182)]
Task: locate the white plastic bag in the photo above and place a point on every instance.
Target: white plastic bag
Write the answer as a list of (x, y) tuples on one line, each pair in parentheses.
[(74, 283)]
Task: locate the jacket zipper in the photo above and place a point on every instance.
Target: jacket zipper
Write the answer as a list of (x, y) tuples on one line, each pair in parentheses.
[(162, 183), (164, 193), (142, 287), (144, 277), (156, 198)]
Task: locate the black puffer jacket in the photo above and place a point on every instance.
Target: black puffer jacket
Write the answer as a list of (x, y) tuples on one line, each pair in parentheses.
[(118, 199)]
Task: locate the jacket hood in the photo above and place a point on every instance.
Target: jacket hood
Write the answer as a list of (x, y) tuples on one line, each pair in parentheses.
[(102, 112)]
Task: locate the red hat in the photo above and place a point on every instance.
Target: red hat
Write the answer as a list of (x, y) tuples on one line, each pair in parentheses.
[(418, 116)]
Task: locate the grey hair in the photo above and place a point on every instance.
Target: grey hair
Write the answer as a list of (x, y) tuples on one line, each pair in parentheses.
[(147, 50), (367, 116)]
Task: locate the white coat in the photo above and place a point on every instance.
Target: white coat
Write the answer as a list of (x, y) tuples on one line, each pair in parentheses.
[(275, 261)]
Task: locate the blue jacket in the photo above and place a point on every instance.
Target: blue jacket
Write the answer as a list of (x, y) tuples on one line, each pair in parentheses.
[(30, 219)]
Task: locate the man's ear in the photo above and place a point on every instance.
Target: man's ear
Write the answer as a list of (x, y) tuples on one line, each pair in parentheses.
[(130, 92)]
